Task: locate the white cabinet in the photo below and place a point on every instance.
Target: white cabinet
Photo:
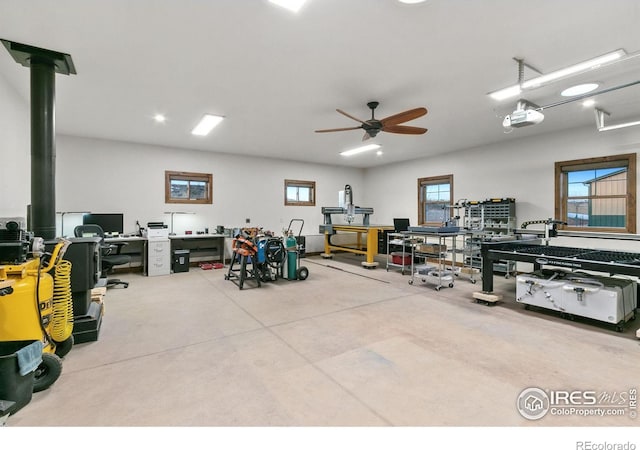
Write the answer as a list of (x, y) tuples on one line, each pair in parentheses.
[(158, 257)]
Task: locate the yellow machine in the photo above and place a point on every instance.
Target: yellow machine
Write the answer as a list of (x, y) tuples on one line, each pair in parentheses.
[(36, 304)]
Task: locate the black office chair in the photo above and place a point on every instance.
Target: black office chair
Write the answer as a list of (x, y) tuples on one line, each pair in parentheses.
[(108, 259)]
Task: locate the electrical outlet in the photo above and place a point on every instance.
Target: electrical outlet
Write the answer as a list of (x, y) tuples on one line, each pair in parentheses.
[(247, 220)]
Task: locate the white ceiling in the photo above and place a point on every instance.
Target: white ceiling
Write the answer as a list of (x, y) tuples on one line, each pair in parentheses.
[(277, 76)]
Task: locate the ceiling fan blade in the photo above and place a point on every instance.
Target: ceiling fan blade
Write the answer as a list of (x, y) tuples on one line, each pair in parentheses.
[(350, 116), (404, 116), (403, 129), (337, 129)]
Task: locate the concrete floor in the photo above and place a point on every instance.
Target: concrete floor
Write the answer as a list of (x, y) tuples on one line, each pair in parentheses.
[(347, 347)]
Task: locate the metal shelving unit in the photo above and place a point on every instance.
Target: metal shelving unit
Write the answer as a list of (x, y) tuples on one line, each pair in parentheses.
[(441, 274), (403, 241), (488, 220)]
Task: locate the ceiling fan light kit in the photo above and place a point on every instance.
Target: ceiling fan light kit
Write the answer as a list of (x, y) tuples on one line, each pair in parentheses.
[(391, 124)]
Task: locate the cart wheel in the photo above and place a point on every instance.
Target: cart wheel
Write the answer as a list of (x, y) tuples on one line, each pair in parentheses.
[(410, 281), (47, 372), (473, 281), (507, 276), (438, 288), (302, 273), (619, 328), (450, 285)]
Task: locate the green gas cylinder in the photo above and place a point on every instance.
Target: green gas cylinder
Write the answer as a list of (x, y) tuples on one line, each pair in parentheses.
[(292, 256)]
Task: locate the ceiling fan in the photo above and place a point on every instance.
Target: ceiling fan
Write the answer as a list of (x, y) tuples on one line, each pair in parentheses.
[(389, 124)]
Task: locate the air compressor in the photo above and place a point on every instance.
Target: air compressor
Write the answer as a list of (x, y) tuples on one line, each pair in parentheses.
[(35, 299)]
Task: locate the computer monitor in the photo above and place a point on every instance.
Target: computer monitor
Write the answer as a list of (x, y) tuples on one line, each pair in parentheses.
[(110, 223), (401, 225)]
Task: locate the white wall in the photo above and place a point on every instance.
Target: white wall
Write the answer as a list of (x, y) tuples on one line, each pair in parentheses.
[(108, 176), (522, 169), (15, 148), (104, 176)]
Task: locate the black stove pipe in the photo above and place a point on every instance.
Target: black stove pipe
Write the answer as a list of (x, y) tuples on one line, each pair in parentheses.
[(43, 64), (43, 149)]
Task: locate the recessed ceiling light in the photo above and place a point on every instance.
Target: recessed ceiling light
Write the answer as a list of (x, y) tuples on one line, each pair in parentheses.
[(291, 5), (357, 150), (206, 124), (160, 118), (588, 102), (379, 153), (579, 89)]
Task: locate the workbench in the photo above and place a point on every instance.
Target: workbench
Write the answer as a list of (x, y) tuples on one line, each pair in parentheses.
[(369, 248)]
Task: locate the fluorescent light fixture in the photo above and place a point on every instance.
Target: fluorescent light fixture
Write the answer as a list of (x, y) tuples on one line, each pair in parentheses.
[(600, 115), (579, 89), (357, 150), (291, 5), (206, 124), (620, 125), (160, 118), (575, 69), (506, 93)]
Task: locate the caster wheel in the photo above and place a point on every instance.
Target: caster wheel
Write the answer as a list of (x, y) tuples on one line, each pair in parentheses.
[(527, 307), (450, 285), (410, 281), (438, 288), (619, 328), (506, 277), (473, 281)]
